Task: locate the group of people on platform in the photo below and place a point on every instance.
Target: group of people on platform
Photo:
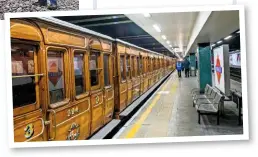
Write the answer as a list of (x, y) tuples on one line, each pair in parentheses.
[(183, 65), (51, 4)]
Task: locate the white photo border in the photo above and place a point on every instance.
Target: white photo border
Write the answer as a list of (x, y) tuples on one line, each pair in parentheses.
[(8, 75)]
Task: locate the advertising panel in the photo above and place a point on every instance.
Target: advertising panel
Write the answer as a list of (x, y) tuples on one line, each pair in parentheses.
[(221, 69)]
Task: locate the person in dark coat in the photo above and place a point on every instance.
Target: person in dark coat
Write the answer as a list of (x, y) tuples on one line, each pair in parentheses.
[(187, 67), (179, 68)]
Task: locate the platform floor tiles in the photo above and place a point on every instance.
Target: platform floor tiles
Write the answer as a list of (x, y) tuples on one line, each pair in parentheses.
[(169, 112)]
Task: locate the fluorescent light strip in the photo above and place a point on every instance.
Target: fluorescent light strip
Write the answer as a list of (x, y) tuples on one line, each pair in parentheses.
[(146, 15), (228, 37), (157, 28), (219, 42), (213, 45), (164, 37), (168, 42)]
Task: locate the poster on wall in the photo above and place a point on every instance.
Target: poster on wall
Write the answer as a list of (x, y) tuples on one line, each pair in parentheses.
[(221, 69), (235, 59)]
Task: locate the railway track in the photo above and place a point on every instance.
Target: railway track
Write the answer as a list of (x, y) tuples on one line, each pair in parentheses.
[(235, 74)]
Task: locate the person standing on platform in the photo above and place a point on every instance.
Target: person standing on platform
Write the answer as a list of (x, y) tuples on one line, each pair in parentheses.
[(186, 66), (179, 68)]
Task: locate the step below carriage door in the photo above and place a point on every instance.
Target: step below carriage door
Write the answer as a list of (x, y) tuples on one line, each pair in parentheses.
[(108, 87)]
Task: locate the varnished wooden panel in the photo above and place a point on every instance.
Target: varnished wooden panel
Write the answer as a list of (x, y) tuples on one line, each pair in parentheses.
[(120, 48), (35, 120), (123, 96), (78, 114), (24, 30), (55, 36), (109, 105), (97, 110), (136, 88), (129, 92), (107, 46)]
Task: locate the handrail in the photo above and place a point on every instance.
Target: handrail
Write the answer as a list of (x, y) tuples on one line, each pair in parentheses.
[(22, 76), (53, 112)]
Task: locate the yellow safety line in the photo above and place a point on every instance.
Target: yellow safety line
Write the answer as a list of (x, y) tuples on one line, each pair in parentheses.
[(138, 124)]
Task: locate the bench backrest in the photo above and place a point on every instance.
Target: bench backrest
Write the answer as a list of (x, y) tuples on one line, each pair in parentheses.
[(213, 93), (209, 90)]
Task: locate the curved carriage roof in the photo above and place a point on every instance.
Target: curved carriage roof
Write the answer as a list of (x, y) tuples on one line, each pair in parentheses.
[(88, 31)]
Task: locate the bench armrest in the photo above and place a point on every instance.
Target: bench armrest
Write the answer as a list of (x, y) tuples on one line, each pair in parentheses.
[(195, 90)]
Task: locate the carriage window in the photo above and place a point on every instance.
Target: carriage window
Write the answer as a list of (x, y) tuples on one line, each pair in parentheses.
[(56, 76), (128, 66), (122, 67), (141, 65), (23, 81), (133, 67), (94, 73), (79, 73), (138, 66), (106, 70)]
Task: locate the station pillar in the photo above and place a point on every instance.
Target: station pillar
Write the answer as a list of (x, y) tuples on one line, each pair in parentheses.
[(192, 60), (204, 65)]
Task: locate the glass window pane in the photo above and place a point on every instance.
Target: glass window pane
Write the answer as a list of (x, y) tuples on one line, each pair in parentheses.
[(56, 76), (106, 70), (128, 66), (133, 67), (122, 67), (138, 66), (24, 88), (79, 73), (94, 76)]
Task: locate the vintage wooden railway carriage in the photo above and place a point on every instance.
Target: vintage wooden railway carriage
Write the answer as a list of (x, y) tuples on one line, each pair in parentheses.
[(65, 79)]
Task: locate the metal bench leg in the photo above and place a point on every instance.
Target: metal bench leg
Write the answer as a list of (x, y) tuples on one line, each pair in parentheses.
[(193, 104), (218, 118), (199, 117)]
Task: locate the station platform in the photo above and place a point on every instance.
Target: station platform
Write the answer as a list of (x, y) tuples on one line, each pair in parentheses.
[(169, 112)]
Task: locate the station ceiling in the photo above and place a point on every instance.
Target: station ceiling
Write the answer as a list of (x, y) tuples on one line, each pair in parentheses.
[(121, 27)]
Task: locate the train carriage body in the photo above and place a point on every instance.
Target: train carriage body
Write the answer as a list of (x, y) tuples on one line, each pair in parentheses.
[(69, 82)]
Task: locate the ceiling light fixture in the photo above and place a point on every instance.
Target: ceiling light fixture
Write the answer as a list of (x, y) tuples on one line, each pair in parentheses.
[(157, 28), (219, 42), (170, 45), (168, 42), (146, 15), (213, 45), (164, 37), (228, 37)]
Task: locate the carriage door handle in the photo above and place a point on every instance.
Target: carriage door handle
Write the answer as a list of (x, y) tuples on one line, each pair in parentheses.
[(53, 112)]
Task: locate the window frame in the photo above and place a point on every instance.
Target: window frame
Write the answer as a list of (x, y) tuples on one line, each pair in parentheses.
[(34, 106), (99, 69), (124, 70), (66, 67), (128, 66), (86, 74), (110, 75)]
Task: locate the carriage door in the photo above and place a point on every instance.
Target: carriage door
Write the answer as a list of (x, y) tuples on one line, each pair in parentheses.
[(129, 79), (122, 82), (27, 112), (109, 87)]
